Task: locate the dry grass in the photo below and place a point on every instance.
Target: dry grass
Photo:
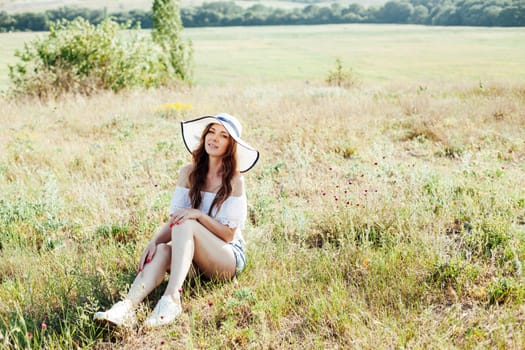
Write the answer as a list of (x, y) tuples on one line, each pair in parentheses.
[(383, 216)]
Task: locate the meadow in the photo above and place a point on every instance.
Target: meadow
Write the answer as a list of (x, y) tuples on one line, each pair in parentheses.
[(386, 215), (378, 53)]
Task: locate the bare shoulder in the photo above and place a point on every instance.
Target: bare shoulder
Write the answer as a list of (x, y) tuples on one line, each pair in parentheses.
[(184, 175), (237, 185)]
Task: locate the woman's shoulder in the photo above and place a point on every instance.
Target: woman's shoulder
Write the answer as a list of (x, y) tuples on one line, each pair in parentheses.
[(184, 175)]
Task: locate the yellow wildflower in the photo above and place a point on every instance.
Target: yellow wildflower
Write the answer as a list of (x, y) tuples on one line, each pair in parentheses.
[(176, 106)]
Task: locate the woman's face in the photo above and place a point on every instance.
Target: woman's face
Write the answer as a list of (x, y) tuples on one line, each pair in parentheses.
[(216, 140)]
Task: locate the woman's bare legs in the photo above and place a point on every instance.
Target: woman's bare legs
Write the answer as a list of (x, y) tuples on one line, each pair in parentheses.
[(191, 241), (151, 276), (122, 313)]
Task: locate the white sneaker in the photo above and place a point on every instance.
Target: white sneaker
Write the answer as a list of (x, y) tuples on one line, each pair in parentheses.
[(120, 314), (165, 312)]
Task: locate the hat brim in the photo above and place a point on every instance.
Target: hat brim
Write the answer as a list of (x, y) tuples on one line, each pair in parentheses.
[(192, 130)]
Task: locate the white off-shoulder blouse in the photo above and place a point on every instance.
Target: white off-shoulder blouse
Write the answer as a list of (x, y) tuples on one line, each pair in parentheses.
[(233, 211)]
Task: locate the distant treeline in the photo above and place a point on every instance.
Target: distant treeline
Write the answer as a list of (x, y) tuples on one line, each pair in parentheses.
[(504, 13)]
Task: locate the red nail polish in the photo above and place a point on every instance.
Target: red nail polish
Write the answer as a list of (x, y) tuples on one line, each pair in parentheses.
[(171, 224), (148, 260)]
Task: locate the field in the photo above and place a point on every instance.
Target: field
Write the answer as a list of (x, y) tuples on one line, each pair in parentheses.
[(379, 53), (389, 214)]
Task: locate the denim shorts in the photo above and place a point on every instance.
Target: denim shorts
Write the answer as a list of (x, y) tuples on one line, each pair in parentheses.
[(240, 256)]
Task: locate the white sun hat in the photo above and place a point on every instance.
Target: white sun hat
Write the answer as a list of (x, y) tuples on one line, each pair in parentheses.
[(192, 130)]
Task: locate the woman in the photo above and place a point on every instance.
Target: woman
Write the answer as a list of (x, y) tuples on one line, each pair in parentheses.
[(207, 212)]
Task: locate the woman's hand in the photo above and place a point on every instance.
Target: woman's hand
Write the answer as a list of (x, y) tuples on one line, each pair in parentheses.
[(182, 214), (148, 254)]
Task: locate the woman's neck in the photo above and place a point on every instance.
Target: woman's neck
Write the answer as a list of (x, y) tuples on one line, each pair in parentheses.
[(214, 176), (214, 167)]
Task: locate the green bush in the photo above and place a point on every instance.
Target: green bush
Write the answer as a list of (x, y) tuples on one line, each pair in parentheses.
[(78, 57), (340, 76), (167, 29)]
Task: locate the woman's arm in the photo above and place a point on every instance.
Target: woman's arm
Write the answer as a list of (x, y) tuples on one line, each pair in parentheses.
[(222, 231), (163, 235)]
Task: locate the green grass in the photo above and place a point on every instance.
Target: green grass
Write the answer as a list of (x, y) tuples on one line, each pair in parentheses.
[(386, 53), (387, 215)]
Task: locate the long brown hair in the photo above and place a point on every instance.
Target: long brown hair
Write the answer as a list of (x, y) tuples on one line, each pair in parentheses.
[(197, 177)]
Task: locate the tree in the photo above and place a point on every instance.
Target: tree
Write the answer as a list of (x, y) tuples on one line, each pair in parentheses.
[(6, 21), (167, 33), (354, 13), (396, 12), (420, 15), (512, 16), (471, 12), (491, 15), (446, 16), (356, 9), (31, 21)]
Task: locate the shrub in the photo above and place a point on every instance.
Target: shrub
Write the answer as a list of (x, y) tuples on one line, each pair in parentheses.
[(167, 28), (340, 76), (78, 57)]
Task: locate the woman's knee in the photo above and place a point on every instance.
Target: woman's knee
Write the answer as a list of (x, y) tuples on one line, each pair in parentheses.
[(164, 253), (187, 226), (164, 248)]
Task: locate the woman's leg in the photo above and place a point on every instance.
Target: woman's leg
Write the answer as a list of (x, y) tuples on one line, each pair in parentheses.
[(122, 313), (192, 242), (151, 276)]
